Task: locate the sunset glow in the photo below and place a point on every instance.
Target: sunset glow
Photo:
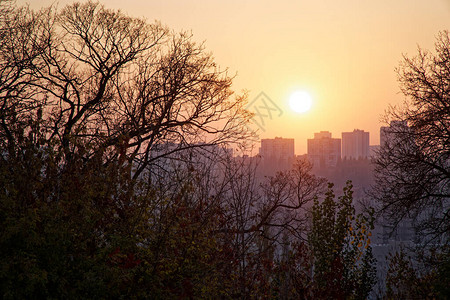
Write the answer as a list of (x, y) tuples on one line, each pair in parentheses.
[(207, 149), (344, 53)]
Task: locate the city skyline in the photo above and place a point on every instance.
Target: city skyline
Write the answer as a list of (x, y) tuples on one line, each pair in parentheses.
[(129, 162), (343, 53), (359, 150)]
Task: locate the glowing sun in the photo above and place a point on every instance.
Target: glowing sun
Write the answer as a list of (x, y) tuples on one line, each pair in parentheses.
[(300, 102)]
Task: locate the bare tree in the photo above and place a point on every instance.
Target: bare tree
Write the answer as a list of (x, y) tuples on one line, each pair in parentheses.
[(24, 38), (113, 85), (413, 166), (288, 196), (88, 97), (260, 216)]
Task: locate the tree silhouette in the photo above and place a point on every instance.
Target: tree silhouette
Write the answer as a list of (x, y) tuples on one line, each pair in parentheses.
[(98, 79), (88, 96), (412, 170), (113, 179)]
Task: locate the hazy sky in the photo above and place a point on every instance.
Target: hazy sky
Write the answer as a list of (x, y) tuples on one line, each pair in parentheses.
[(343, 52)]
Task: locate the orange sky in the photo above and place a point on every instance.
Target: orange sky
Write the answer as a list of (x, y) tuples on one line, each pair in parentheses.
[(342, 52)]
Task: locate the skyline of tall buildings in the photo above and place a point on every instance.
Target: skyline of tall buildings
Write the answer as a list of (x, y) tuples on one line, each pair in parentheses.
[(323, 151), (354, 144), (339, 160)]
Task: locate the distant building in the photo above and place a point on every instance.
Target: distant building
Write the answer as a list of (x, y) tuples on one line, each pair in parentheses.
[(387, 237), (355, 144), (277, 148), (276, 155), (387, 133), (373, 150), (323, 150)]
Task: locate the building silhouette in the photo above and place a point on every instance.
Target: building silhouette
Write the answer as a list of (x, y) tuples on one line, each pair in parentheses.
[(355, 144), (373, 150), (390, 134), (277, 148), (276, 155), (323, 150)]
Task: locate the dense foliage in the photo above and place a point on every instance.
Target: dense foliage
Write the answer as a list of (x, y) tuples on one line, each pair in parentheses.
[(344, 266)]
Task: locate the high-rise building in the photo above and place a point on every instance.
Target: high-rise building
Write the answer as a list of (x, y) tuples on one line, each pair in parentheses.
[(373, 150), (388, 133), (323, 150), (277, 148), (355, 144), (276, 155), (396, 138)]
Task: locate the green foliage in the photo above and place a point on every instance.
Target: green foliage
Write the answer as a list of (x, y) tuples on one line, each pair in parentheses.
[(59, 227), (343, 264), (180, 251), (89, 230)]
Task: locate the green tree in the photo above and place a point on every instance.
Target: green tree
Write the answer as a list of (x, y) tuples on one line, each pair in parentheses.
[(343, 264)]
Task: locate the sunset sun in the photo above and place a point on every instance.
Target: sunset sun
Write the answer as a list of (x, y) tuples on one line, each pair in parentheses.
[(300, 101)]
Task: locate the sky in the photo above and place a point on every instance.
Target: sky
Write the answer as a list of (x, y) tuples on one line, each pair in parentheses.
[(343, 53)]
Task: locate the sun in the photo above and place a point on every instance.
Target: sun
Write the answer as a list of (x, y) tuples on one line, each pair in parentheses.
[(300, 101)]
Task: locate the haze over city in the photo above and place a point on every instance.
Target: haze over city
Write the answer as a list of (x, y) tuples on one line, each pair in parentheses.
[(224, 150), (343, 53)]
